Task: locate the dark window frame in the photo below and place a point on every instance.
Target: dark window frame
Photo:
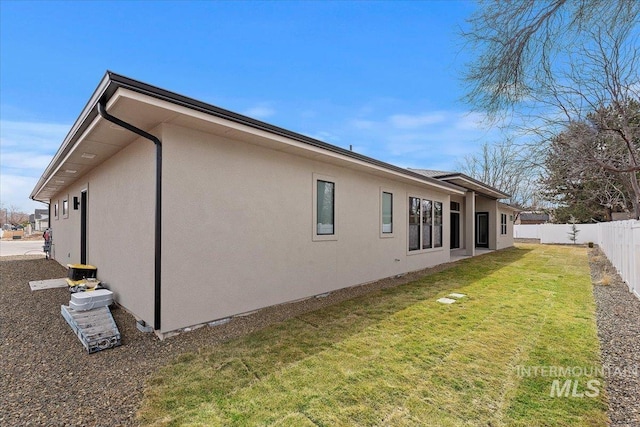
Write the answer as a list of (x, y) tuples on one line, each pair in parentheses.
[(382, 229), (319, 207), (503, 224), (425, 221)]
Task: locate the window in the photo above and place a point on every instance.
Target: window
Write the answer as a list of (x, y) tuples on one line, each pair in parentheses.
[(414, 223), (325, 207), (503, 223), (455, 206), (425, 224), (65, 207), (387, 212), (55, 210), (437, 224), (427, 221)]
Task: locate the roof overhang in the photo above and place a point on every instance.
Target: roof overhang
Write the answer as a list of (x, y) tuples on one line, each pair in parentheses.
[(509, 207), (92, 140), (467, 182)]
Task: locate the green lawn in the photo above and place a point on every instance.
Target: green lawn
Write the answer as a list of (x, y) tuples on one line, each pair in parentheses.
[(399, 358)]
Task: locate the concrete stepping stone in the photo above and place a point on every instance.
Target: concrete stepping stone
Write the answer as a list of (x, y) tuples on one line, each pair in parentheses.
[(456, 295), (446, 300)]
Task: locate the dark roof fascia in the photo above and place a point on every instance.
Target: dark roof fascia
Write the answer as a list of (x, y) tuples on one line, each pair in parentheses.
[(475, 181), (194, 104), (508, 206), (111, 82)]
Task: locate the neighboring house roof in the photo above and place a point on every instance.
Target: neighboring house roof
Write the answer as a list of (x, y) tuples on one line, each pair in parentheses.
[(534, 216), (464, 181), (151, 106), (39, 214), (621, 216)]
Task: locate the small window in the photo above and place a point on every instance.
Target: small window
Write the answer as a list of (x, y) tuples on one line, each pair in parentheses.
[(503, 223), (455, 206), (65, 207), (55, 210), (387, 213), (325, 206)]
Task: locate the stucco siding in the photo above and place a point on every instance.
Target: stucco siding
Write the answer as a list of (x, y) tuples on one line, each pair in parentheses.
[(484, 204), (241, 234), (66, 228), (505, 240), (120, 209)]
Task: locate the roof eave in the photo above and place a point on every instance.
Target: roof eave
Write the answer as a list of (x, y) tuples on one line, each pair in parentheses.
[(112, 81), (489, 188), (87, 115)]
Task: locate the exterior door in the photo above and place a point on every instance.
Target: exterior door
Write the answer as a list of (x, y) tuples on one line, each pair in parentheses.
[(482, 229), (83, 227), (455, 230)]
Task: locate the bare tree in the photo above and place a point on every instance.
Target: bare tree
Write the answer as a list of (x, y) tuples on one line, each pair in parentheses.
[(582, 188), (16, 216), (502, 166), (547, 64)]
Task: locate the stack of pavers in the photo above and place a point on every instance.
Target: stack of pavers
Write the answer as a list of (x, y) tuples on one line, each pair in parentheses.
[(88, 311)]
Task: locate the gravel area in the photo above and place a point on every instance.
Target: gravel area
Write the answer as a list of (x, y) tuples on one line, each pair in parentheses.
[(46, 376), (618, 319)]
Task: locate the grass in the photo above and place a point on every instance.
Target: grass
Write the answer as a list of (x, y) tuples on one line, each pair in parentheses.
[(397, 357)]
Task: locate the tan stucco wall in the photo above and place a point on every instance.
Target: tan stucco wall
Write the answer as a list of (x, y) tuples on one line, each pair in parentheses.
[(484, 204), (239, 223), (505, 240), (121, 195)]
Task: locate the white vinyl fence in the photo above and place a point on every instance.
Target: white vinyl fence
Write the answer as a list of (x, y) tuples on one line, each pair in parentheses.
[(619, 240), (557, 233)]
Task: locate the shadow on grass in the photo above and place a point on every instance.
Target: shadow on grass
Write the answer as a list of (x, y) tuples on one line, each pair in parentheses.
[(213, 373)]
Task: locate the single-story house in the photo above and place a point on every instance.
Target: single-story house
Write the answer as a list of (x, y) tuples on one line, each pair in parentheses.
[(193, 213), (39, 220)]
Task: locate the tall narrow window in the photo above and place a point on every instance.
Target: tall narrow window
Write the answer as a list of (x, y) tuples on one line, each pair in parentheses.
[(503, 223), (387, 212), (414, 223), (437, 224), (65, 207), (427, 224), (325, 208), (55, 210)]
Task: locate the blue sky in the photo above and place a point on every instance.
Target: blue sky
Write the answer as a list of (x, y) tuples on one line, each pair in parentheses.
[(384, 77)]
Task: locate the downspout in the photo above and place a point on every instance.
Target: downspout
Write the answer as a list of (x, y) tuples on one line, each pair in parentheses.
[(102, 110)]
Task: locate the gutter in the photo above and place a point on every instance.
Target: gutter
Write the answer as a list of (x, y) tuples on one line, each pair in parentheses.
[(102, 110)]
